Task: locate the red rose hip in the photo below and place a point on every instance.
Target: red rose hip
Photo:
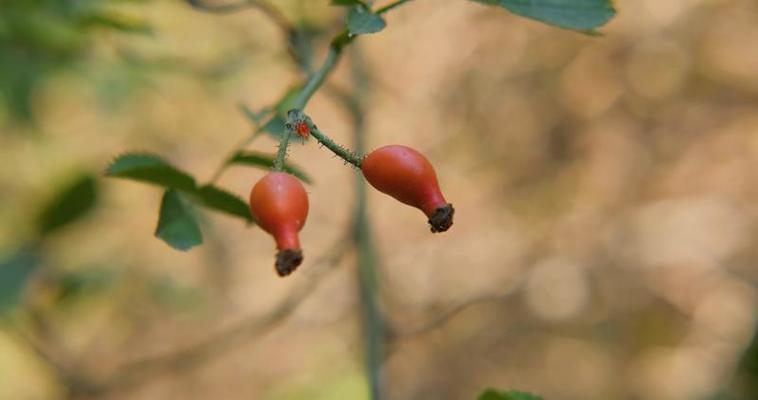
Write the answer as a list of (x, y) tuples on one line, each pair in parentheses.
[(279, 204), (407, 175)]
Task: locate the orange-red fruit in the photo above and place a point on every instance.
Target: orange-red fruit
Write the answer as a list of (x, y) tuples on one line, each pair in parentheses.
[(407, 175), (280, 206)]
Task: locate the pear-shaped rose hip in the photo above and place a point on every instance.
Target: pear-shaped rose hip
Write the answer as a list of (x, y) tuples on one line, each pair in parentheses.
[(407, 175), (280, 206)]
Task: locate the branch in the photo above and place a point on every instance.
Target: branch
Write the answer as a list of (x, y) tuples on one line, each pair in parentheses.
[(134, 373), (266, 8), (446, 316), (374, 324), (390, 6), (73, 382), (315, 82)]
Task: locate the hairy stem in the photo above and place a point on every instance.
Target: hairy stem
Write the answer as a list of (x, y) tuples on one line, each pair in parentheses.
[(282, 153), (343, 153), (313, 84)]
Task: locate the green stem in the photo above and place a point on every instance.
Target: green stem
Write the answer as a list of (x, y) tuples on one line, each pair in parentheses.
[(311, 86), (282, 153), (335, 51), (317, 79), (337, 149), (390, 6)]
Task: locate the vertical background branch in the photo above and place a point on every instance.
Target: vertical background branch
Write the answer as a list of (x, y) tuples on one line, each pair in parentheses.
[(368, 284)]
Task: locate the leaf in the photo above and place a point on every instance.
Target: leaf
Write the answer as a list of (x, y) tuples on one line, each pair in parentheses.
[(286, 102), (176, 224), (264, 160), (361, 20), (220, 200), (15, 271), (150, 168), (569, 14), (70, 204), (255, 117), (275, 126), (492, 394)]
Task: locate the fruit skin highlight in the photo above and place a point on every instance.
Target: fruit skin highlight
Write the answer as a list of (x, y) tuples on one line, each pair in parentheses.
[(279, 204), (407, 175)]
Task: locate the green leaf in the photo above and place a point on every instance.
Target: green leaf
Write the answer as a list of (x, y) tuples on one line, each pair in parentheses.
[(220, 200), (492, 394), (285, 103), (255, 117), (150, 168), (15, 271), (569, 14), (361, 20), (70, 204), (275, 126), (265, 161), (176, 224)]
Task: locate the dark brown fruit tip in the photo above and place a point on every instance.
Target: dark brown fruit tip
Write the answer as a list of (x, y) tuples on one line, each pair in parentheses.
[(288, 260), (442, 219)]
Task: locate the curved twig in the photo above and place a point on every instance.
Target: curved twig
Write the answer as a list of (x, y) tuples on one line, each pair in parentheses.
[(226, 8), (137, 372), (446, 316)]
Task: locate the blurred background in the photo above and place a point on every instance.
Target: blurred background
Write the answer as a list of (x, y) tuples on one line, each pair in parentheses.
[(605, 188)]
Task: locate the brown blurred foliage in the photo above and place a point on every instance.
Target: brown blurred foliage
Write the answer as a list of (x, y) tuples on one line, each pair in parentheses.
[(605, 193)]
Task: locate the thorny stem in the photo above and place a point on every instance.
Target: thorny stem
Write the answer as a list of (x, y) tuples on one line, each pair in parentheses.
[(281, 154), (316, 80), (343, 153), (312, 85), (374, 324)]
